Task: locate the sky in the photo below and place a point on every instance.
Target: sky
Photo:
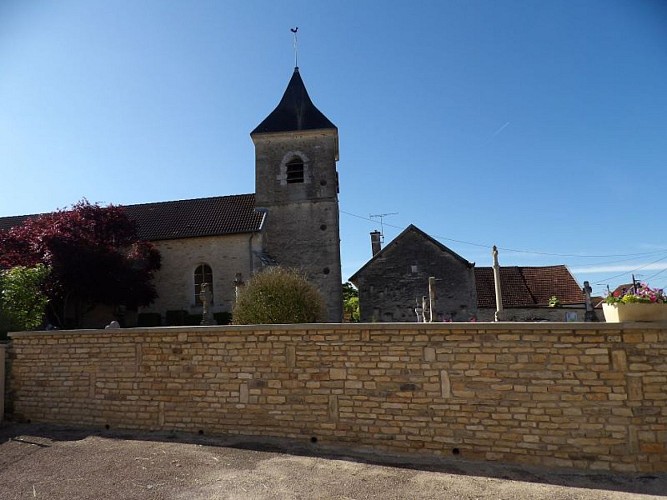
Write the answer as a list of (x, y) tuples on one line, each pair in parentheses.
[(539, 127)]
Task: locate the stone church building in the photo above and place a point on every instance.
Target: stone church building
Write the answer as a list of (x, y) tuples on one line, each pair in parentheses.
[(291, 220)]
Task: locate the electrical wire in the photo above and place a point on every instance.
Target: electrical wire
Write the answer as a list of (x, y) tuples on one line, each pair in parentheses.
[(531, 252), (602, 281)]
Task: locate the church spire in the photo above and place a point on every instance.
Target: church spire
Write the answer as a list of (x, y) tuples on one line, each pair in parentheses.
[(294, 112)]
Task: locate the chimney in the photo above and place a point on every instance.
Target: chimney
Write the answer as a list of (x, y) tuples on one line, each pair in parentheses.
[(376, 245)]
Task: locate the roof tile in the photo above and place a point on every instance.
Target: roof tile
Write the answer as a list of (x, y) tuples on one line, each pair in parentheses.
[(194, 218), (527, 286)]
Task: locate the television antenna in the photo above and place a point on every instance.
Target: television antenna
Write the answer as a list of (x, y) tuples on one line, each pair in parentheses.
[(381, 217)]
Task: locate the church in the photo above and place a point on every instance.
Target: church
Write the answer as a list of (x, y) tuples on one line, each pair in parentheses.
[(291, 220)]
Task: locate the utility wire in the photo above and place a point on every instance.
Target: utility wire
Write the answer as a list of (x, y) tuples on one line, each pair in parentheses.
[(533, 252), (602, 281)]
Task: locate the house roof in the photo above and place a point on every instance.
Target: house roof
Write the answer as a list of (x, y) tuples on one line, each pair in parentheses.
[(527, 286), (414, 229), (194, 218), (294, 112)]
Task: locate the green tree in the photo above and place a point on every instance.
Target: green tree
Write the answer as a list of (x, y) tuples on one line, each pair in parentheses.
[(350, 302), (22, 297), (278, 296)]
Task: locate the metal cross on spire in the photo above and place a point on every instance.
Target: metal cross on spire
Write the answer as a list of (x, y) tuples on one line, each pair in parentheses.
[(296, 53)]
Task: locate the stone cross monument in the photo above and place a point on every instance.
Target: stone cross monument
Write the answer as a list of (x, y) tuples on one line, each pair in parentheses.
[(205, 295)]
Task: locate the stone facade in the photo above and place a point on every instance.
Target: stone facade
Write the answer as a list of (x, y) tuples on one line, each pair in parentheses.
[(589, 396), (302, 219), (391, 284), (226, 255)]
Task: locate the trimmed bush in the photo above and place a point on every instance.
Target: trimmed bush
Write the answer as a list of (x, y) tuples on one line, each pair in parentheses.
[(223, 318), (149, 319), (175, 317), (278, 296)]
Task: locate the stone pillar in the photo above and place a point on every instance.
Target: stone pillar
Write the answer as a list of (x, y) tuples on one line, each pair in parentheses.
[(590, 313), (496, 279), (206, 297), (431, 299), (3, 354)]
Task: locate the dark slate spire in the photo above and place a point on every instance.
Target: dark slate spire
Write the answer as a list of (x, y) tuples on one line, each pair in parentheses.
[(294, 112)]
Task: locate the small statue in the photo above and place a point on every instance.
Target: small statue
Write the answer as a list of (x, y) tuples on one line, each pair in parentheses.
[(205, 295)]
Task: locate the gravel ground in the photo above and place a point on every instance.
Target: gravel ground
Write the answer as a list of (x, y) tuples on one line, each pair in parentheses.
[(47, 462)]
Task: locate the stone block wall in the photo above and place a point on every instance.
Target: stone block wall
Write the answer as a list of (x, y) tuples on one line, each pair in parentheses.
[(573, 395), (227, 255)]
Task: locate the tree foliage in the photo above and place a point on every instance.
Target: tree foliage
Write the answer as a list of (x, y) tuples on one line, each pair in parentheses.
[(278, 296), (350, 302), (22, 297), (94, 256)]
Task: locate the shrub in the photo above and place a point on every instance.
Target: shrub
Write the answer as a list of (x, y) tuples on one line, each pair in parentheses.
[(149, 319), (22, 299), (278, 296), (175, 317), (223, 318)]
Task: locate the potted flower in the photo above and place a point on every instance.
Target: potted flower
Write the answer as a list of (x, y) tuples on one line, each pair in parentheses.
[(638, 303)]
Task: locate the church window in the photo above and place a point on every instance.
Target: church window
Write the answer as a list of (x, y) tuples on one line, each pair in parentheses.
[(203, 274), (295, 171)]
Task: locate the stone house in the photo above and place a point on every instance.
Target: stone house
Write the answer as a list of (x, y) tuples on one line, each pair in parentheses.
[(291, 220), (391, 285), (396, 278)]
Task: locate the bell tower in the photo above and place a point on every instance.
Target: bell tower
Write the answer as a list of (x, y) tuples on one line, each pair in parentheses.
[(296, 184)]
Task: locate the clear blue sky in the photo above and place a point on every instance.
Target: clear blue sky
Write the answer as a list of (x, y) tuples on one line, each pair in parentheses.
[(536, 126)]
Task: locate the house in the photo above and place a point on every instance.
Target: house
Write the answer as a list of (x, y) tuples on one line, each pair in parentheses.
[(527, 294), (292, 219), (392, 284), (394, 281)]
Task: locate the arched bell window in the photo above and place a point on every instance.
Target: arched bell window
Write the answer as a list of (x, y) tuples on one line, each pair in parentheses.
[(203, 274), (294, 170)]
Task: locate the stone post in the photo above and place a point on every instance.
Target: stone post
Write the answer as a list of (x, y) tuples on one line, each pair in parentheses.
[(238, 285), (590, 313), (496, 279), (419, 311), (3, 354), (205, 296), (431, 298)]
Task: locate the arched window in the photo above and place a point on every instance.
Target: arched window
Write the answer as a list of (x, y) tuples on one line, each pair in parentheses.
[(203, 274), (294, 170)]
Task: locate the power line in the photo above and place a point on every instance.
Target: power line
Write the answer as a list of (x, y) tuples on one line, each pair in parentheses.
[(533, 252), (601, 282)]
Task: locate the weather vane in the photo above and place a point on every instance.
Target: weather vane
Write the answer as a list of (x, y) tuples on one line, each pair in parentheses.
[(296, 57)]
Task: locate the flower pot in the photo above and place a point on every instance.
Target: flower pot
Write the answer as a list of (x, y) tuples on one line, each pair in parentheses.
[(617, 313)]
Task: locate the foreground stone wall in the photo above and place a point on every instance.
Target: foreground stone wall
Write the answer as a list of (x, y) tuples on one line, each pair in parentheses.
[(556, 394)]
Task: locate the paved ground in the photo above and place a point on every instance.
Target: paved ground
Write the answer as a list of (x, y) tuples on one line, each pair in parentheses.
[(47, 462)]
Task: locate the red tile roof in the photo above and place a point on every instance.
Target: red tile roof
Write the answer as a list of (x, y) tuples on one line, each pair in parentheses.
[(199, 217), (527, 286)]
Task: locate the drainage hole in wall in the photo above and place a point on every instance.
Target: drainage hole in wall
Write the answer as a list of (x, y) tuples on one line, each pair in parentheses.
[(107, 427), (201, 432), (326, 270), (313, 440), (28, 421), (456, 451), (323, 227)]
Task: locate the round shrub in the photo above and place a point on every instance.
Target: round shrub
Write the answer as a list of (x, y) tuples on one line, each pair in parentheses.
[(278, 296)]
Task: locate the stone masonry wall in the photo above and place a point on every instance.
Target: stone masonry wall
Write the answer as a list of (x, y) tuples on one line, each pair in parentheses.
[(227, 255), (589, 396)]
